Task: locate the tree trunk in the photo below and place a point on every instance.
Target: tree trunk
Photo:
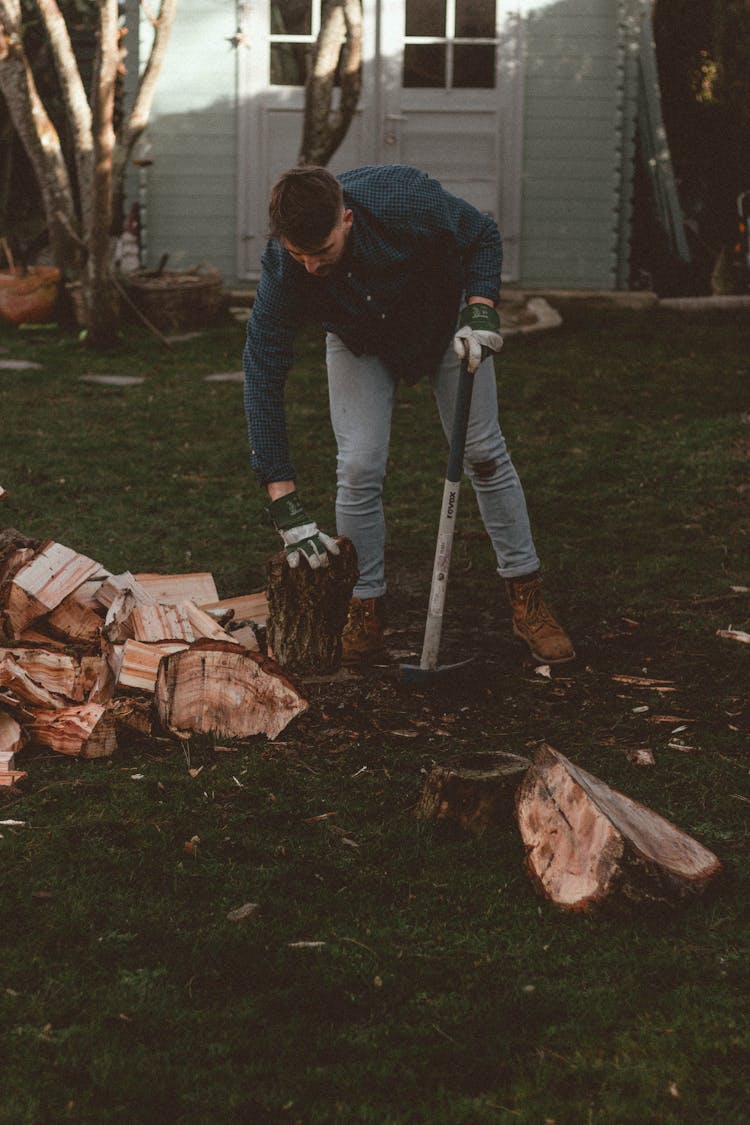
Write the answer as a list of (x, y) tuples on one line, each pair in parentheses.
[(80, 246), (99, 294), (40, 139), (307, 610), (587, 843), (339, 42), (134, 124)]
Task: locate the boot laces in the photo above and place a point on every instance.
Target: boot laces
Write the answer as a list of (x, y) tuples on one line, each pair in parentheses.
[(537, 611)]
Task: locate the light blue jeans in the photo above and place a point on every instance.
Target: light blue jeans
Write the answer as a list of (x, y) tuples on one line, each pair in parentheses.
[(361, 393)]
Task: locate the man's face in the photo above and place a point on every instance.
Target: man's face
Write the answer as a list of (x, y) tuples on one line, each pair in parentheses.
[(320, 261)]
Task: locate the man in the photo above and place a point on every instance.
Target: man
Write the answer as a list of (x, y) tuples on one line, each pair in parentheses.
[(404, 277)]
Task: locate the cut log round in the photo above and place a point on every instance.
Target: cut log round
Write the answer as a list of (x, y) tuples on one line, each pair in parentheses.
[(473, 794), (215, 687), (587, 843), (307, 610)]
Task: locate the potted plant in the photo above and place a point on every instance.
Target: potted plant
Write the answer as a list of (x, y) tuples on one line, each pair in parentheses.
[(28, 294)]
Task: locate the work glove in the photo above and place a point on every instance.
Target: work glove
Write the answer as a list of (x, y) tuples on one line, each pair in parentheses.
[(478, 335), (301, 536)]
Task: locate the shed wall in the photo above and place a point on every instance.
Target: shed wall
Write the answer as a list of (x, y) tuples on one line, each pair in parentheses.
[(190, 190), (576, 108), (577, 144)]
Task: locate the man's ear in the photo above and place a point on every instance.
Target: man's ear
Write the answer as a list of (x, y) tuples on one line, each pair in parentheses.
[(346, 218)]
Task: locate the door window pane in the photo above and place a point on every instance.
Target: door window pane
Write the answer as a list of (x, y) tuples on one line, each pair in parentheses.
[(291, 17), (475, 19), (424, 64), (425, 17), (289, 64), (473, 66)]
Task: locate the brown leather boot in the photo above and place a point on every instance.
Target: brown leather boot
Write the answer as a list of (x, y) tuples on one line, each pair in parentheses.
[(534, 622), (362, 636)]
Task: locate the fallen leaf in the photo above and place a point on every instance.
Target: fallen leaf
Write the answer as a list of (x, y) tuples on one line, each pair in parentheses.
[(195, 772), (641, 757), (247, 910)]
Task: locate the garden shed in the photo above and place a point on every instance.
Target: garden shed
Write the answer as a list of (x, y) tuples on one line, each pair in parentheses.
[(527, 109)]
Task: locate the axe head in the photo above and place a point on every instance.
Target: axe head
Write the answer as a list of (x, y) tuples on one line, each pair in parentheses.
[(417, 674)]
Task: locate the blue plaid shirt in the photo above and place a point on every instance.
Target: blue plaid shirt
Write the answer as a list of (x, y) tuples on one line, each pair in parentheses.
[(413, 251)]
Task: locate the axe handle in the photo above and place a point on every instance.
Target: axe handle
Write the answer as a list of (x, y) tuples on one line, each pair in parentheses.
[(447, 526)]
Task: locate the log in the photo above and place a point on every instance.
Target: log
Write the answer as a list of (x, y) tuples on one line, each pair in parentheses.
[(116, 584), (57, 672), (86, 730), (217, 687), (140, 663), (474, 794), (308, 609), (587, 844), (80, 616), (171, 589), (42, 583), (11, 734), (22, 687), (246, 607), (15, 550), (153, 623)]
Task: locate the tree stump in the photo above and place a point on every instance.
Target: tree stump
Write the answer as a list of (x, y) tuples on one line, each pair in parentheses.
[(586, 843), (474, 794), (307, 610)]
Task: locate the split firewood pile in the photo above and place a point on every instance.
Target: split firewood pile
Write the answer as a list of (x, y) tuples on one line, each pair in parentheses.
[(586, 844), (85, 654)]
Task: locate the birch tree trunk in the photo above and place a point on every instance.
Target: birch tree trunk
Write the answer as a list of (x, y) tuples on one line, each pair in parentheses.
[(99, 290), (339, 45), (39, 137), (80, 225)]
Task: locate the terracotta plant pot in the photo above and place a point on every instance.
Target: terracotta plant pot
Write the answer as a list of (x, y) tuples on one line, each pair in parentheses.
[(28, 296)]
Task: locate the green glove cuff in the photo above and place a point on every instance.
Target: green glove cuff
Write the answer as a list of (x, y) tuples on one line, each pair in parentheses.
[(479, 318), (287, 512)]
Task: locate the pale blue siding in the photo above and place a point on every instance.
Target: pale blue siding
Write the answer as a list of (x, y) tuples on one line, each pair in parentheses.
[(577, 146), (191, 187), (576, 152)]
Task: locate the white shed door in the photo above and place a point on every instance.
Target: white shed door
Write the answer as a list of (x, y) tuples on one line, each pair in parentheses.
[(442, 89)]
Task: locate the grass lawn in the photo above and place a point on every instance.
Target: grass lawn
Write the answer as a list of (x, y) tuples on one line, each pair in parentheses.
[(392, 973)]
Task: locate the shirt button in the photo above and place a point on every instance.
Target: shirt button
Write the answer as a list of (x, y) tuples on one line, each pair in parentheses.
[(382, 316), (368, 297), (349, 275)]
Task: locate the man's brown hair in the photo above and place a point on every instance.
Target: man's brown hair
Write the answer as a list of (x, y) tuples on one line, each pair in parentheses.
[(306, 204)]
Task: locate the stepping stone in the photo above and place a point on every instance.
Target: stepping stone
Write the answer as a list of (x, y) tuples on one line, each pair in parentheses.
[(226, 377), (19, 365), (113, 380)]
